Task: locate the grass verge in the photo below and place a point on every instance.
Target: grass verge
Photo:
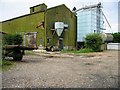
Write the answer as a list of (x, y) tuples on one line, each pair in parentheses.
[(85, 50), (6, 65)]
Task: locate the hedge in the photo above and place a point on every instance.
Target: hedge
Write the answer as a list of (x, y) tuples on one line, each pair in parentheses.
[(116, 37), (93, 41)]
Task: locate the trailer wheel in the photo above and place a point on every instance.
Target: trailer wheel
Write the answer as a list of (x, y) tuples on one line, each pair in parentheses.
[(52, 48), (18, 55)]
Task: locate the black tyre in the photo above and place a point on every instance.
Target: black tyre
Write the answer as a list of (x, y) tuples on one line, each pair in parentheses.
[(18, 55), (52, 48)]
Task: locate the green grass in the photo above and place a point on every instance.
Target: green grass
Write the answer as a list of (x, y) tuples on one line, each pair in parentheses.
[(6, 65), (85, 50)]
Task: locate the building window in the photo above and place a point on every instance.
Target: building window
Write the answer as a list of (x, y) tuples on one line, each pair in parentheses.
[(33, 9), (40, 24), (94, 31)]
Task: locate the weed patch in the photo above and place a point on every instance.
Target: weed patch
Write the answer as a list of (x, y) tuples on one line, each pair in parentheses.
[(6, 65)]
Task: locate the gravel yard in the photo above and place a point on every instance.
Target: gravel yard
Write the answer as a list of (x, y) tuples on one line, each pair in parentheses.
[(56, 70)]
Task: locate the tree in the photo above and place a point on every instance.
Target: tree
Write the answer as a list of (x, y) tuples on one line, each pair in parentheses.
[(116, 37), (93, 41)]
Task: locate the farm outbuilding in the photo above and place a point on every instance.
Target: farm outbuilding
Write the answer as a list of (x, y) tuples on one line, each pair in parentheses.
[(45, 27)]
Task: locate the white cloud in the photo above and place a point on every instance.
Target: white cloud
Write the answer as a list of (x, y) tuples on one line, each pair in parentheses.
[(14, 8), (113, 29)]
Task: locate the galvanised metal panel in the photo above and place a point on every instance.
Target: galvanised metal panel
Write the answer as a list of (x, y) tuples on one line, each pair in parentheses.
[(88, 21)]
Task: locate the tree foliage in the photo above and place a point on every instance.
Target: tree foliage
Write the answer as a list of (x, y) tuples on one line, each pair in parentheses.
[(12, 39), (93, 41), (116, 37)]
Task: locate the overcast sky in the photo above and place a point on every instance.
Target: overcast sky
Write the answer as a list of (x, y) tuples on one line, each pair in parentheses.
[(14, 8)]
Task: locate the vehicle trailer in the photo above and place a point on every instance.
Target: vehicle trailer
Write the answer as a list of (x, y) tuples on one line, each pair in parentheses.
[(15, 51)]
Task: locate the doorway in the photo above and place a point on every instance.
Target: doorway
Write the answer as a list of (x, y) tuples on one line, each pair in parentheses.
[(30, 39)]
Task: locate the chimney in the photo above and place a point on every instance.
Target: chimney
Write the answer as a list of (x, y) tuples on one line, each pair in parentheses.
[(38, 8)]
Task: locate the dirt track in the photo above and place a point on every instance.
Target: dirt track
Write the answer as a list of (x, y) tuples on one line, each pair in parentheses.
[(94, 70)]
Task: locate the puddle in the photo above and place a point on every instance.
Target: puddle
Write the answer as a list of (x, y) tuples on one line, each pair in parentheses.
[(87, 56), (50, 56), (99, 61), (109, 56), (88, 64)]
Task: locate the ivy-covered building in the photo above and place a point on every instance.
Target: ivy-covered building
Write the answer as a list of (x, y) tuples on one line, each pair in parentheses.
[(45, 27)]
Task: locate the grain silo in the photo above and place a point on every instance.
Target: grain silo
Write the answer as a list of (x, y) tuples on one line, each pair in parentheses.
[(89, 20)]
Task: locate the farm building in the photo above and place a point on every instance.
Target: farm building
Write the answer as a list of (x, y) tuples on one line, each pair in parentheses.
[(45, 27)]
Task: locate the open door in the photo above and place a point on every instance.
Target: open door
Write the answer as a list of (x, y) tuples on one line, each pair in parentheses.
[(60, 45), (30, 39)]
